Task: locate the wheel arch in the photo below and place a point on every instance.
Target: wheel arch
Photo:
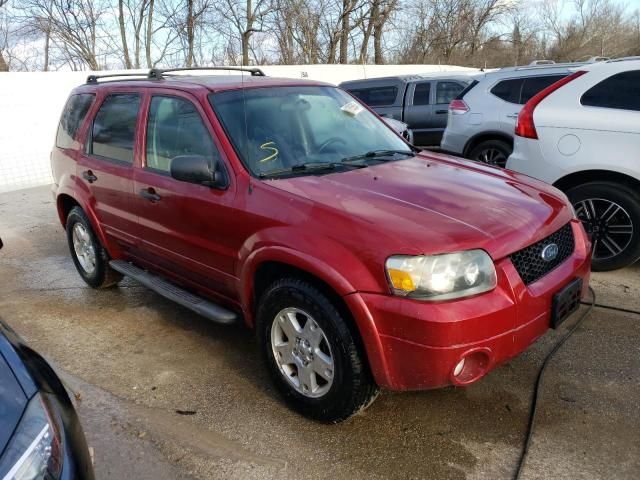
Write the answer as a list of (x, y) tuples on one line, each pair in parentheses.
[(585, 176), (484, 136), (260, 274)]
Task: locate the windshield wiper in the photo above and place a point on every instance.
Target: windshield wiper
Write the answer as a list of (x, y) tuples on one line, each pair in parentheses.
[(308, 167), (378, 154)]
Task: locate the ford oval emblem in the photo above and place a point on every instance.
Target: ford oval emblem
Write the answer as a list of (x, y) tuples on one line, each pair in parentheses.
[(549, 252)]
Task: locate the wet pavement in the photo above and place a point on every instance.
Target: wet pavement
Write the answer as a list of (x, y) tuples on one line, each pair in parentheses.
[(165, 394)]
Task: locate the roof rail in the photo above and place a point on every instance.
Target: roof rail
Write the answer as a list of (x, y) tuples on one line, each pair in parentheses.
[(93, 79), (158, 73), (624, 59), (542, 62)]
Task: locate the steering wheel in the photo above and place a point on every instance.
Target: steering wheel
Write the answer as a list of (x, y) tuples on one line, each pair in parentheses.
[(329, 141)]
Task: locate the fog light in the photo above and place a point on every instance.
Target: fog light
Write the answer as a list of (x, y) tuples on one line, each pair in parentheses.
[(459, 367)]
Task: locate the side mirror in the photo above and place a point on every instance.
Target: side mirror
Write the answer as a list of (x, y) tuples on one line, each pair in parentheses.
[(195, 169)]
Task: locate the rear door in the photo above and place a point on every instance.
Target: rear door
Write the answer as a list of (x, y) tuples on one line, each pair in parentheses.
[(419, 115), (183, 227), (105, 165)]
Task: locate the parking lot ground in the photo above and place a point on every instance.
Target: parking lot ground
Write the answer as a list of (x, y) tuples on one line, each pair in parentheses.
[(164, 394)]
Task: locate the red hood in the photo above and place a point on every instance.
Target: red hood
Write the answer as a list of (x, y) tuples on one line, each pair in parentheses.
[(437, 203)]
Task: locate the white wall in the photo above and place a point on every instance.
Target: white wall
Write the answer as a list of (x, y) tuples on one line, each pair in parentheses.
[(30, 106)]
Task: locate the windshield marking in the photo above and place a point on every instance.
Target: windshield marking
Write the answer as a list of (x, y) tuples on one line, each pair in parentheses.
[(270, 146)]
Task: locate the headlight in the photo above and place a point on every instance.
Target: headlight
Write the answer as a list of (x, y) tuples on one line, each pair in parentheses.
[(34, 451), (441, 277)]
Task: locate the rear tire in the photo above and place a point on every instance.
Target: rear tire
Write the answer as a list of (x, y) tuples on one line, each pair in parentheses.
[(491, 152), (89, 256), (328, 380), (610, 213)]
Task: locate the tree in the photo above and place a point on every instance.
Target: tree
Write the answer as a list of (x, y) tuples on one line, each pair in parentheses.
[(4, 33)]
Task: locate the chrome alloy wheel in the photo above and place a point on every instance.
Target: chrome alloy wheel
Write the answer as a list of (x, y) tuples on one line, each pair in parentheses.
[(302, 352), (84, 248), (608, 224), (492, 156)]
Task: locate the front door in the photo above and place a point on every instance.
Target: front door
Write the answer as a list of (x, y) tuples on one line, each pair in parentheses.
[(106, 166), (184, 228)]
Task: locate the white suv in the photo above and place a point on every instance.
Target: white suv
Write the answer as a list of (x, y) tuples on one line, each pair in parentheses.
[(582, 134)]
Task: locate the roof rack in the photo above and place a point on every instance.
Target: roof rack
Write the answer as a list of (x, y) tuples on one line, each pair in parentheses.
[(624, 59), (93, 79), (158, 73)]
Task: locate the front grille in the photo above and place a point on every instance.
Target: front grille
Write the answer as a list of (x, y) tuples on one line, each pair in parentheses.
[(529, 262)]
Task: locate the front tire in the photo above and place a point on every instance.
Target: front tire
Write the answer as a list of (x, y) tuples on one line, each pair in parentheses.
[(311, 353), (89, 256), (610, 213)]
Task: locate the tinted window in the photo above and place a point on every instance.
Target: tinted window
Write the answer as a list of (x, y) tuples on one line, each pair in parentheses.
[(176, 128), (114, 127), (620, 91), (378, 96), (447, 91), (72, 117), (534, 85), (421, 93), (508, 90)]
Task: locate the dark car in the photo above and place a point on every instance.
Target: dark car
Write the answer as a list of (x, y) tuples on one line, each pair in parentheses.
[(419, 101), (40, 434)]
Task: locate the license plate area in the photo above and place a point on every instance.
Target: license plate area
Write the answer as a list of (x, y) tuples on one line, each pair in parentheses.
[(565, 302)]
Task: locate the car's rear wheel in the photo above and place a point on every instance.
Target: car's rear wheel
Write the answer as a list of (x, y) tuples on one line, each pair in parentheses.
[(610, 213), (311, 353), (89, 256), (491, 152)]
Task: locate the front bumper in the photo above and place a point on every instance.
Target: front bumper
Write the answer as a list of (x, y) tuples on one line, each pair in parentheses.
[(422, 342)]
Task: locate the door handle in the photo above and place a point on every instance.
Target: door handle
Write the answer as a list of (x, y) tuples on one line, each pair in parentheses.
[(512, 115), (89, 176), (441, 111), (150, 194)]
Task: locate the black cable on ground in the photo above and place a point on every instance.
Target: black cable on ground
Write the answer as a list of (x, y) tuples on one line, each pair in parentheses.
[(610, 307), (536, 391)]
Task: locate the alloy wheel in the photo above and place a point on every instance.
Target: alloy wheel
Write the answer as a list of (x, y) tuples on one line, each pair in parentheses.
[(492, 156), (302, 352), (84, 249), (609, 225)]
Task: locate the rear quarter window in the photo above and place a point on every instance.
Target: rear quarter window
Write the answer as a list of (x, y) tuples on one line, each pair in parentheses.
[(73, 114), (620, 91), (533, 85), (376, 96), (508, 90)]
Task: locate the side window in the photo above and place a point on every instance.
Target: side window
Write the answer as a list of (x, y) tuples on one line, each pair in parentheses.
[(421, 93), (534, 85), (447, 91), (73, 115), (113, 134), (377, 96), (508, 90), (621, 91), (176, 128)]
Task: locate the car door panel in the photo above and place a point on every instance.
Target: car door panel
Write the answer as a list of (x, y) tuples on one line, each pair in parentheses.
[(109, 180), (419, 112), (183, 227)]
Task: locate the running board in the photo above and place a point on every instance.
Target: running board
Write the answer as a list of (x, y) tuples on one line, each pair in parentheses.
[(199, 305)]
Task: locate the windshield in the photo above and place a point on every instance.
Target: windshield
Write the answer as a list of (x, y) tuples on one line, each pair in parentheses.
[(285, 128)]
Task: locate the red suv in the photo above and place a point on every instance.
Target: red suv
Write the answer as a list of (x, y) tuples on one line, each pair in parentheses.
[(361, 262)]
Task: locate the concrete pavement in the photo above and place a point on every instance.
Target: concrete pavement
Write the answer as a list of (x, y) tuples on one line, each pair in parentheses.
[(165, 394)]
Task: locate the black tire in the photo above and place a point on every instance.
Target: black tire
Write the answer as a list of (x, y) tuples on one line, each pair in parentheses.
[(608, 237), (102, 276), (353, 388), (491, 152)]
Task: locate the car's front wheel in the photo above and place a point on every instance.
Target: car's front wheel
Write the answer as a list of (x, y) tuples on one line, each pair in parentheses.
[(311, 353), (89, 256), (610, 213)]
